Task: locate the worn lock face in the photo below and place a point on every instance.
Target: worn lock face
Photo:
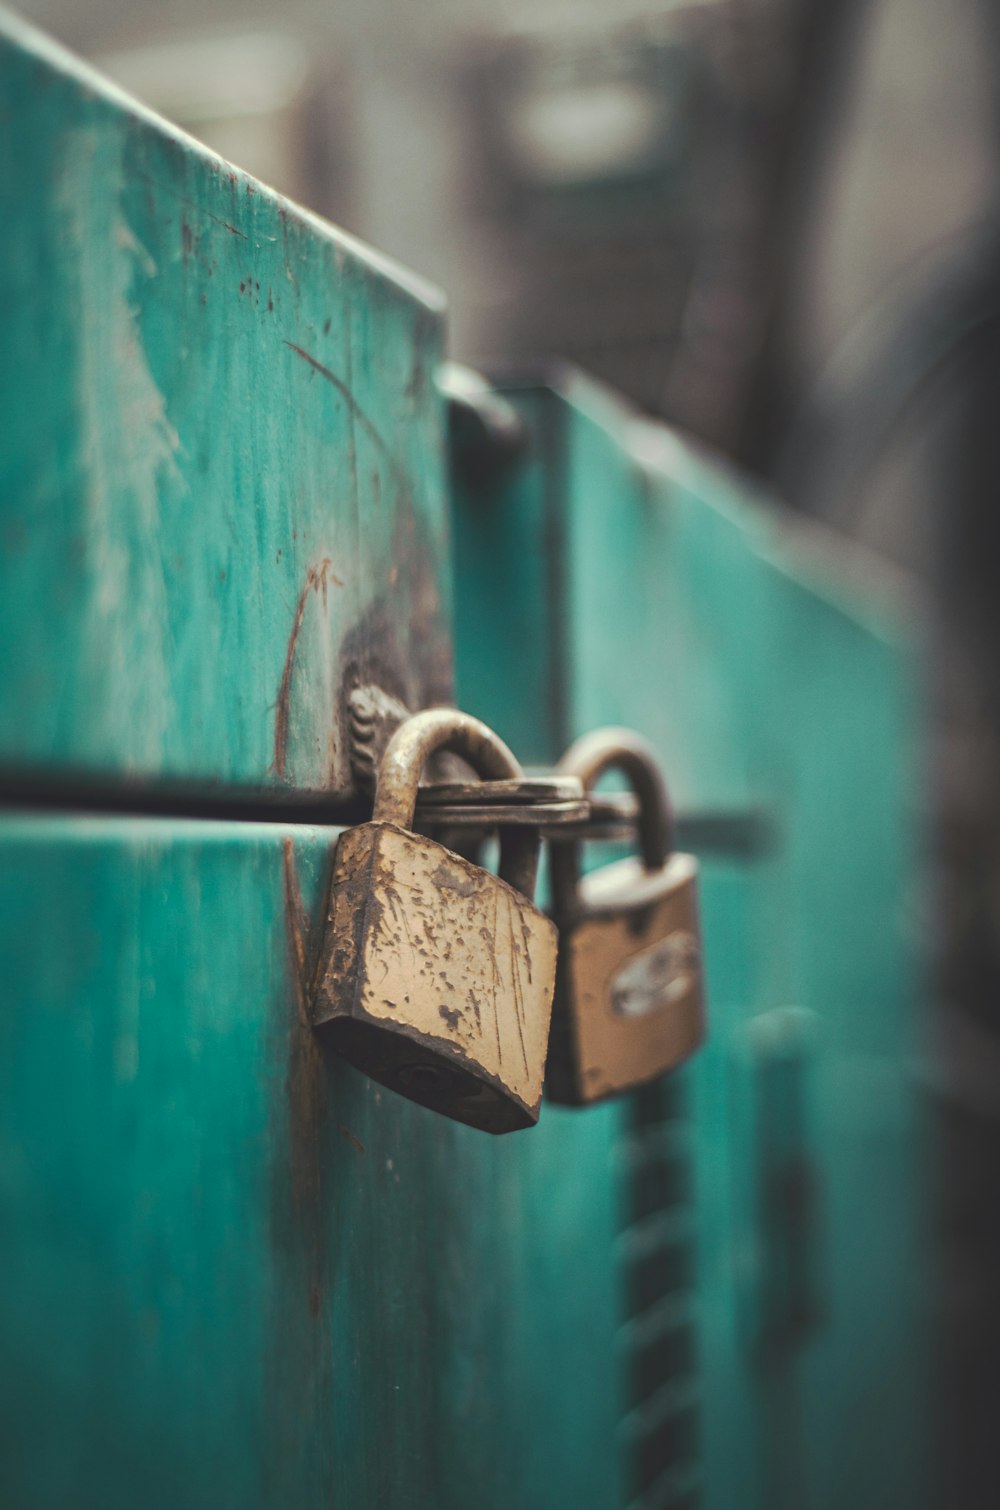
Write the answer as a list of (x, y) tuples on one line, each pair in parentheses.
[(629, 1002), (437, 977)]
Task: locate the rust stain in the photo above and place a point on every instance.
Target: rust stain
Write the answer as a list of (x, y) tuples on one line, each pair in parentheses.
[(449, 878), (304, 1194), (307, 1092), (346, 1133), (308, 1103), (296, 921), (306, 1077), (317, 580)]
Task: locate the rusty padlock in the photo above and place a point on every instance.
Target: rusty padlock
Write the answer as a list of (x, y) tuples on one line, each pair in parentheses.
[(629, 1001), (437, 977)]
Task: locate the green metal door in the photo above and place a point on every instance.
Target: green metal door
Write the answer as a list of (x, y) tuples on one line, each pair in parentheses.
[(770, 1345), (236, 1272)]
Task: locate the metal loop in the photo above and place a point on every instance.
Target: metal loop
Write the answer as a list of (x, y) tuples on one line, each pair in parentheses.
[(417, 739), (615, 749), (408, 751)]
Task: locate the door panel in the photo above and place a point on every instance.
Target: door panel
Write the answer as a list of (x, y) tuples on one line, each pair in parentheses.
[(190, 1195), (221, 486), (772, 671), (235, 1271)]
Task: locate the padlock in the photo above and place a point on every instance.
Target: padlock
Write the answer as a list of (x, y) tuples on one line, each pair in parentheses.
[(436, 977), (629, 1000)]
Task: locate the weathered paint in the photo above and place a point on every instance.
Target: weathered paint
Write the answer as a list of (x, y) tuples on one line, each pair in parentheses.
[(773, 674), (236, 1272), (221, 481)]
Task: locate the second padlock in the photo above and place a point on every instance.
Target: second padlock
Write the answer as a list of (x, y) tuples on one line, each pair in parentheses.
[(629, 998)]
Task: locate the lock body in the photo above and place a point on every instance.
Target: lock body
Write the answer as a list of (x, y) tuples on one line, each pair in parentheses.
[(437, 978), (629, 998)]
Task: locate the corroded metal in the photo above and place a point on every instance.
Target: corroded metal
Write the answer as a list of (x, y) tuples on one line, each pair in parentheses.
[(550, 818), (527, 790), (629, 1001), (542, 802), (626, 751), (436, 977), (374, 715), (412, 745)]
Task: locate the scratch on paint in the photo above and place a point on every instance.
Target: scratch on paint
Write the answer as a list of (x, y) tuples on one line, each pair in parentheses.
[(232, 229), (491, 945), (359, 414), (346, 1133)]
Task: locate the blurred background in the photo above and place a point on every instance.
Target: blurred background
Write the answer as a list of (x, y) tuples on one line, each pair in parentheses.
[(774, 223)]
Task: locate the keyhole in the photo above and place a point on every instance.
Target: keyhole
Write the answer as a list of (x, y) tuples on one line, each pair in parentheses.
[(429, 1079)]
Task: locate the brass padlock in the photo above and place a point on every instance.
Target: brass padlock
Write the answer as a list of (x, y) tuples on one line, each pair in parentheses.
[(437, 977), (629, 1001)]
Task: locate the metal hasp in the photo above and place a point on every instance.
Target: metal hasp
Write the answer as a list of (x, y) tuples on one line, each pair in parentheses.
[(436, 978), (549, 803), (629, 995)]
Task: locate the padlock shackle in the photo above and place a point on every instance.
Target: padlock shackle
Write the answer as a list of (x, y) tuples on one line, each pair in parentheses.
[(615, 749), (409, 750), (421, 736)]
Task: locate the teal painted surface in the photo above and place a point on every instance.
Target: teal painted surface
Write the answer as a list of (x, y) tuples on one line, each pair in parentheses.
[(508, 593), (509, 661), (782, 683), (775, 678), (221, 478), (236, 1273)]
